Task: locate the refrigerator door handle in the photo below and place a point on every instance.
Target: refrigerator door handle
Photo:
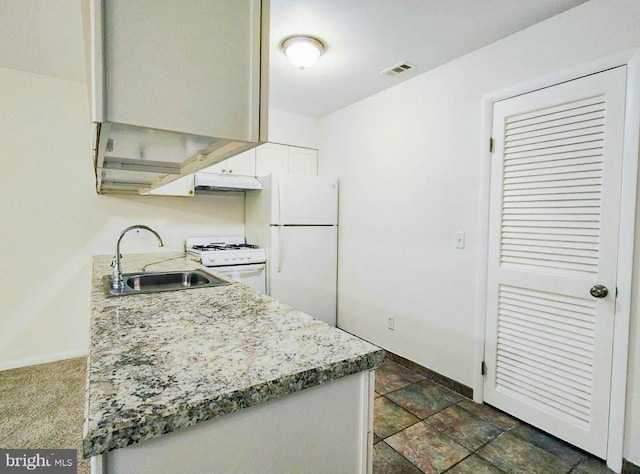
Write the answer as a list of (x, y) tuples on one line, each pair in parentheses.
[(280, 249), (280, 193)]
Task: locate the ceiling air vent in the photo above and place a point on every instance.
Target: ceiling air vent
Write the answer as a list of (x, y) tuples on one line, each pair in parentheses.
[(397, 69)]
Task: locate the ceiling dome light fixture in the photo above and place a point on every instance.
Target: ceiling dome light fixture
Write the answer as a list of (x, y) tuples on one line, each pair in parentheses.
[(302, 51)]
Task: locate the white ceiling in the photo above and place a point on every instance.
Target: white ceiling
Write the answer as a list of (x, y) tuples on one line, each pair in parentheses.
[(364, 37)]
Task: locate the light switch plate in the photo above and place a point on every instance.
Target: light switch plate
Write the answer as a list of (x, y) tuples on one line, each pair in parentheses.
[(459, 240)]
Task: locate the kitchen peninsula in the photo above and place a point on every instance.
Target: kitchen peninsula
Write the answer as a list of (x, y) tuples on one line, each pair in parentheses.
[(221, 379)]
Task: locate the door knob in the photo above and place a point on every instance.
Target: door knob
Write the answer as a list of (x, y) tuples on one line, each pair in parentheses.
[(599, 291)]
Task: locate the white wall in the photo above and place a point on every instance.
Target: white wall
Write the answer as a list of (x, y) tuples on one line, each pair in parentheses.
[(292, 129), (409, 160), (53, 220)]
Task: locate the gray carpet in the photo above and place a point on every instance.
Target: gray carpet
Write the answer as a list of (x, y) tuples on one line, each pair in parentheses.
[(42, 407)]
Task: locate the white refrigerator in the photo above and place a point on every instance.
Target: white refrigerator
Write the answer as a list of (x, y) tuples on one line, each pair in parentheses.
[(295, 219)]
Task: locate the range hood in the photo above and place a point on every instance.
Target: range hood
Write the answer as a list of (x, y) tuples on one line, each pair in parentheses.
[(175, 87), (223, 182)]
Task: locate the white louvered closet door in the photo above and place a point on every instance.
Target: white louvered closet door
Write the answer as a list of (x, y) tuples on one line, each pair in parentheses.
[(553, 233)]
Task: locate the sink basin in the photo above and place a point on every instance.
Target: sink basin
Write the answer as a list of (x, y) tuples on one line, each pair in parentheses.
[(154, 282)]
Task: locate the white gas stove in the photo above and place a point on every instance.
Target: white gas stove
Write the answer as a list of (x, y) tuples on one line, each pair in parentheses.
[(224, 251), (231, 256)]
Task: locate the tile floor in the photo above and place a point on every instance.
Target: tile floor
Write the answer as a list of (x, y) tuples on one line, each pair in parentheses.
[(421, 426)]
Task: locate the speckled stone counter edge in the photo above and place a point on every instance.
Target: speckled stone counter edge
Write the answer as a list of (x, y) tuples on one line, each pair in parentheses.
[(190, 415), (111, 436)]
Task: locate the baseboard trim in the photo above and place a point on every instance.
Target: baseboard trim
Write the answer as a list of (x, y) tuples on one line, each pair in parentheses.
[(16, 364), (629, 468), (435, 376)]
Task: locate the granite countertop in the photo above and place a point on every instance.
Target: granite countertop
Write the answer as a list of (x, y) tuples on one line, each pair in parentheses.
[(165, 361)]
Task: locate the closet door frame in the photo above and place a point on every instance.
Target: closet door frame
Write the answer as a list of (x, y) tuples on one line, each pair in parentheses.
[(631, 59)]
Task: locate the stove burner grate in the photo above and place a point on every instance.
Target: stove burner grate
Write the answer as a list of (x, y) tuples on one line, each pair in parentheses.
[(214, 247)]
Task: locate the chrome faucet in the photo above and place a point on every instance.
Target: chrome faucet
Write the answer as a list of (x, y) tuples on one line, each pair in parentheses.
[(117, 281)]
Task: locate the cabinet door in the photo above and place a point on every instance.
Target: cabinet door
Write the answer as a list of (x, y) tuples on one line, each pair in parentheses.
[(153, 48), (180, 187), (217, 168), (303, 161), (272, 158), (243, 164)]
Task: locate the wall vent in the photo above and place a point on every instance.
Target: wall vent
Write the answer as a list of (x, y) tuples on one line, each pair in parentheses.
[(397, 69)]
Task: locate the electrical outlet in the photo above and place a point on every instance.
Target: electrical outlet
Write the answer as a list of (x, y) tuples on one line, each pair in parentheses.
[(391, 322), (139, 233)]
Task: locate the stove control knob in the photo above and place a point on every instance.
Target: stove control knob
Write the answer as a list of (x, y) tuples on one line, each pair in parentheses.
[(246, 255), (233, 257), (226, 258)]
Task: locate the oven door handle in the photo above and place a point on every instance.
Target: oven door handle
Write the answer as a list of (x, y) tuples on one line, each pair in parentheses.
[(243, 268), (244, 271)]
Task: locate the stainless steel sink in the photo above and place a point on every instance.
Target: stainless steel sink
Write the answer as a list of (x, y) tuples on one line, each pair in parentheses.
[(154, 282)]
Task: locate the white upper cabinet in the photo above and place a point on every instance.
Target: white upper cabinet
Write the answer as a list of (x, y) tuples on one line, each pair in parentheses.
[(218, 168), (272, 158), (182, 66), (303, 161), (263, 160), (243, 164), (176, 86), (184, 186)]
